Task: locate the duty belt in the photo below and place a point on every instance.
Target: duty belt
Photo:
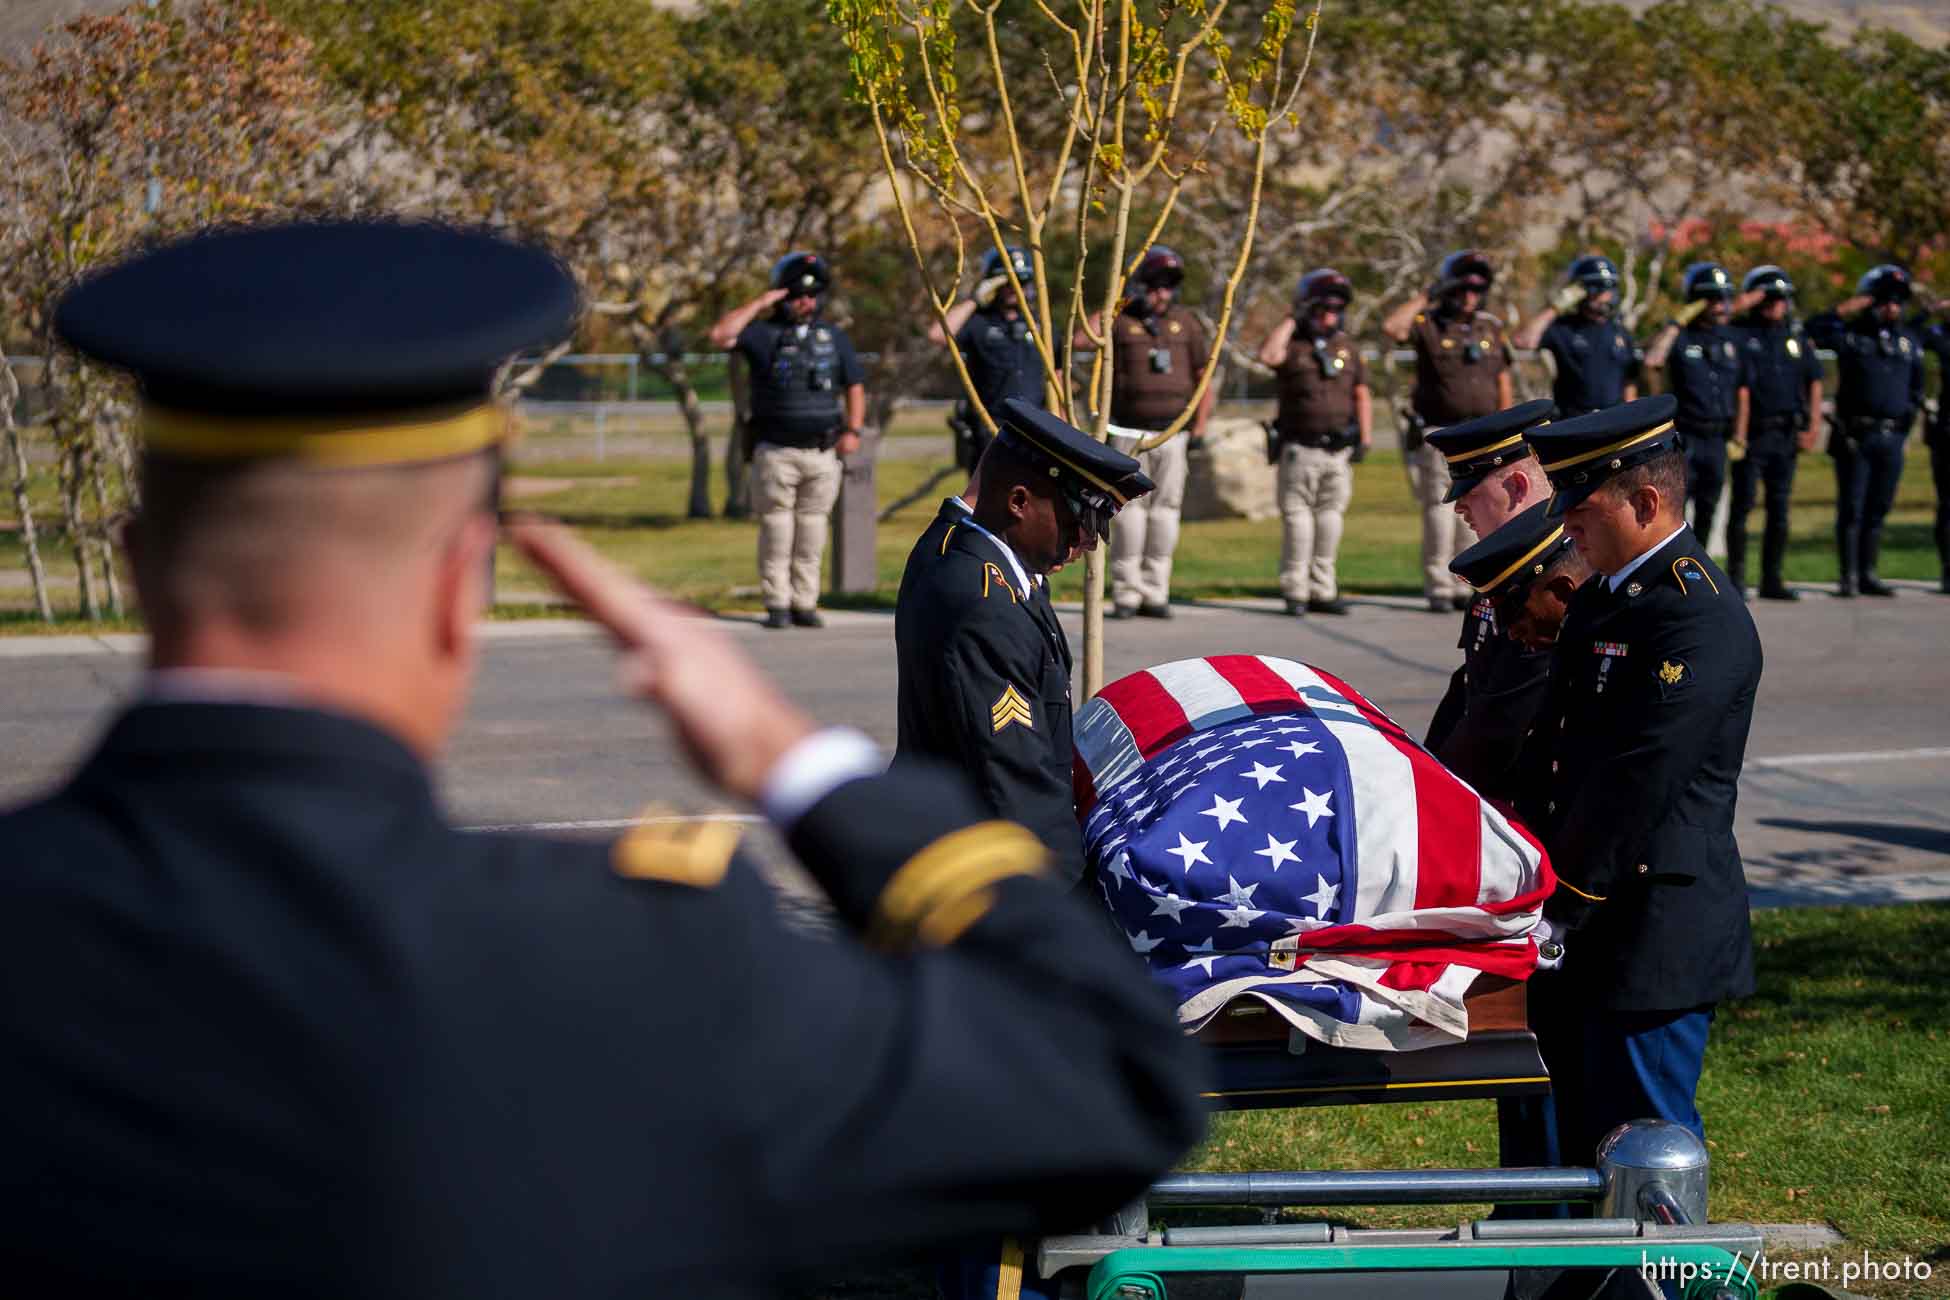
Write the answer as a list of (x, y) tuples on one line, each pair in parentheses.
[(1861, 426), (1332, 441), (1776, 423)]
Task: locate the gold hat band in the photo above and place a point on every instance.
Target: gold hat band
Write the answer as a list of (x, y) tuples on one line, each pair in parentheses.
[(1553, 466), (1075, 468), (1483, 451), (334, 441), (1525, 558)]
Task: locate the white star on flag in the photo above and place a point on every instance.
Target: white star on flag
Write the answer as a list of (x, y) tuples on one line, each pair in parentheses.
[(1191, 851), (1323, 897), (1257, 740), (1142, 941), (1314, 805), (1226, 810), (1217, 762), (1139, 814), (1263, 774), (1290, 728), (1239, 916), (1239, 895), (1300, 748), (1302, 924), (1120, 866), (1204, 963), (1278, 850), (1169, 905)]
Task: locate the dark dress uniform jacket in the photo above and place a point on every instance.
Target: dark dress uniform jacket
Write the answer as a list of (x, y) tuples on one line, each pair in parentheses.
[(1629, 778), (985, 683), (1491, 701), (1781, 364), (273, 1027)]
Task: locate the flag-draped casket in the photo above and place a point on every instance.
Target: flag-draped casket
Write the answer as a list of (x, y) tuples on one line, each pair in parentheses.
[(1260, 830)]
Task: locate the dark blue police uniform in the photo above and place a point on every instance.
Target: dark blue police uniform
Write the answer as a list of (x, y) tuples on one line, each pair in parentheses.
[(800, 373), (1936, 338), (1781, 365), (1705, 372), (1595, 360), (1002, 359), (274, 1026), (1629, 777), (1879, 389)]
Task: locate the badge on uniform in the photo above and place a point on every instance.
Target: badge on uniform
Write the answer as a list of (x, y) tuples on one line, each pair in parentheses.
[(1675, 675), (1794, 347), (1011, 707), (1175, 327), (1694, 352)]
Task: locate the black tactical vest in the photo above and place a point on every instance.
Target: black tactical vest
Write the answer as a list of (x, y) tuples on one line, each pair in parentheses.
[(796, 399)]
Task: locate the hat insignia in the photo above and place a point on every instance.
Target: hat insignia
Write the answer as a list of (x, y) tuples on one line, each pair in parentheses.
[(1617, 463)]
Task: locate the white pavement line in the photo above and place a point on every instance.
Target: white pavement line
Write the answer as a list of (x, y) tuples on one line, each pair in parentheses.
[(616, 824), (1852, 756)]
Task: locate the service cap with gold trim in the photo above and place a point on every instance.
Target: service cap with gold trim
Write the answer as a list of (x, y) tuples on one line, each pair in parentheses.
[(1579, 454), (1476, 448), (1097, 479), (341, 343), (1503, 565)]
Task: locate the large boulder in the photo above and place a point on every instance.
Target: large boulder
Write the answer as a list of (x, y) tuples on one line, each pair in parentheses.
[(1230, 478)]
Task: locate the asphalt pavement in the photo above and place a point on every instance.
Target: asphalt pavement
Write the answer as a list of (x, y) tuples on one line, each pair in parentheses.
[(1845, 797)]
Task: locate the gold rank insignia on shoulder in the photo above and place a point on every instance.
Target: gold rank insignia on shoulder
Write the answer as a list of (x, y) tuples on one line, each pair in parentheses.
[(675, 850), (1687, 570), (1671, 673), (1011, 707)]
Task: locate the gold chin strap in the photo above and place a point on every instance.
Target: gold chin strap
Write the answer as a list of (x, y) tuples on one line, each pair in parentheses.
[(331, 441)]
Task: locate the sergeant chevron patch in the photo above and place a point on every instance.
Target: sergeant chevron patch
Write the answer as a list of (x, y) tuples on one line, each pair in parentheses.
[(1011, 707)]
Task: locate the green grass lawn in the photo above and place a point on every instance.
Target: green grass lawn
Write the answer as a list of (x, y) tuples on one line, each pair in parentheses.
[(1826, 1096), (634, 511)]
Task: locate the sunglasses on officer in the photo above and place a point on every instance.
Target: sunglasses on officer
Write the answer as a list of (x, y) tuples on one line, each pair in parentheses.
[(1092, 509)]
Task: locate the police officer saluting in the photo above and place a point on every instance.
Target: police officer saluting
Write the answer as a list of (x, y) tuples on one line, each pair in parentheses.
[(984, 665), (991, 331), (1629, 777), (808, 401), (1879, 389), (1707, 370), (1326, 410), (1595, 364), (276, 1027), (1777, 418), (1462, 372), (1158, 350), (1931, 329), (1493, 479)]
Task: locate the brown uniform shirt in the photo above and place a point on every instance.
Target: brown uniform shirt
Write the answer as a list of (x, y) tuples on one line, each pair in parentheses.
[(1317, 386), (1450, 386), (1157, 366)]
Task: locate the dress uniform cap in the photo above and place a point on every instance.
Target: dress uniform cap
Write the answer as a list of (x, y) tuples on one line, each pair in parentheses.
[(347, 343), (1098, 479), (1503, 565), (1475, 447), (1580, 454)]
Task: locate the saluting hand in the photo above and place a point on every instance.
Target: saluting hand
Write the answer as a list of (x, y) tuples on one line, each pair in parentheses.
[(733, 721)]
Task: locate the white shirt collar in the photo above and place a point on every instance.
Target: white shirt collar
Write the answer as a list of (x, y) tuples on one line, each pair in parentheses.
[(1617, 580), (220, 686), (1023, 585)]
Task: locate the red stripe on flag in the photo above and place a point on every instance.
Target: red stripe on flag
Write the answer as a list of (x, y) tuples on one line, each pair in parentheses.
[(1147, 710), (1262, 689), (1448, 816)]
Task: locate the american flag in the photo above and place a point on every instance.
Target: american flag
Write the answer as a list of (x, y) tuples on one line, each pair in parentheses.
[(1259, 829)]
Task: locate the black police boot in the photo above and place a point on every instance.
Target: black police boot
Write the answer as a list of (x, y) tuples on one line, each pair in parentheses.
[(777, 618), (1772, 588), (1871, 552), (1945, 586), (1154, 611), (1845, 548), (1296, 608), (807, 618), (1122, 612), (1331, 605)]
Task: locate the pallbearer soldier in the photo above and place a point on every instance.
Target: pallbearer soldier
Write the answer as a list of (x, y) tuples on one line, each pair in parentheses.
[(291, 1033), (1707, 370), (1878, 391), (1462, 372), (1778, 417), (1158, 349), (1325, 412), (809, 398), (990, 329), (1629, 777), (1490, 700), (1594, 361), (984, 665)]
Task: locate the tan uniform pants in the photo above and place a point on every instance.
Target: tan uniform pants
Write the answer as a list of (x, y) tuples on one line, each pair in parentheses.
[(794, 489), (1146, 531), (1315, 486), (1443, 531)]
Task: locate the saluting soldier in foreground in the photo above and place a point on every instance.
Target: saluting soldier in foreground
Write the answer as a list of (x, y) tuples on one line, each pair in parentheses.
[(1326, 411), (1481, 720), (1878, 391), (984, 664), (1462, 372), (1629, 777), (1779, 417), (275, 1027)]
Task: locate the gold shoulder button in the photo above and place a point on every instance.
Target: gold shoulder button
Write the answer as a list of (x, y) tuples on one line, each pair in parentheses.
[(676, 850)]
